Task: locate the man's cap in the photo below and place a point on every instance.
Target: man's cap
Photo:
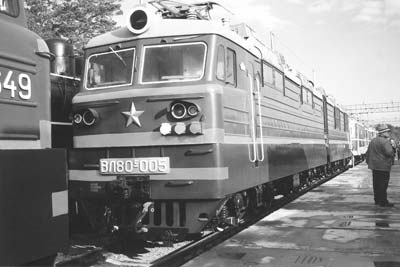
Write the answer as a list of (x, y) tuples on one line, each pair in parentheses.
[(383, 128)]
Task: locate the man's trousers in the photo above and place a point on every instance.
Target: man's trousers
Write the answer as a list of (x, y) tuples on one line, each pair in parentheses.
[(380, 183)]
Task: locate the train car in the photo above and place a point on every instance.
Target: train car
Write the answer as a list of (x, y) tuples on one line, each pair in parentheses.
[(33, 191), (338, 133), (182, 123), (360, 136), (359, 139)]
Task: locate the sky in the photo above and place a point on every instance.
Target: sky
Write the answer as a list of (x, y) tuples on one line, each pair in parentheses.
[(352, 46)]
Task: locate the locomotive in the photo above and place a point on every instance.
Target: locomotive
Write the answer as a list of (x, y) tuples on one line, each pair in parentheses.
[(184, 124), (33, 191)]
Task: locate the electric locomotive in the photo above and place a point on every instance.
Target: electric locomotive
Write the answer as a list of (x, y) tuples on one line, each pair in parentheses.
[(33, 191), (183, 123)]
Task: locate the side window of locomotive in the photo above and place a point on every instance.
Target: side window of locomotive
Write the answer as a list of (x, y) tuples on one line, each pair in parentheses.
[(304, 101), (317, 105), (337, 118), (346, 123), (268, 75), (173, 63), (273, 78), (231, 67), (307, 97), (278, 81), (221, 63), (110, 69), (9, 7), (342, 122)]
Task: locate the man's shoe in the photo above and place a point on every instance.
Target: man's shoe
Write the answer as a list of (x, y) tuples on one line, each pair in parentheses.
[(386, 204)]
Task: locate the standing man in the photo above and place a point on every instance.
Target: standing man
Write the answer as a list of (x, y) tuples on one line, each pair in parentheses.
[(379, 159)]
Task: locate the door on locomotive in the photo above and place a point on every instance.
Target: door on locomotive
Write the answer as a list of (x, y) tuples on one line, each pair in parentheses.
[(33, 191), (326, 131)]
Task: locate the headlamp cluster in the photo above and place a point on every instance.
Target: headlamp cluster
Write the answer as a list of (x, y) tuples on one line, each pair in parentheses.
[(86, 117), (181, 110)]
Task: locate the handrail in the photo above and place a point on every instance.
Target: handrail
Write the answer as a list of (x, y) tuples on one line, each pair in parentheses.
[(253, 128), (260, 122)]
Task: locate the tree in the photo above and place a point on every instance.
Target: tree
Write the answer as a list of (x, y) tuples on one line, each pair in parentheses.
[(74, 20)]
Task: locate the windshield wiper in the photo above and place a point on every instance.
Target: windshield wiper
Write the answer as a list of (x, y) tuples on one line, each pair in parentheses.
[(118, 56)]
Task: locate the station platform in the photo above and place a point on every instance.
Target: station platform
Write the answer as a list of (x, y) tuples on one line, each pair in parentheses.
[(335, 225)]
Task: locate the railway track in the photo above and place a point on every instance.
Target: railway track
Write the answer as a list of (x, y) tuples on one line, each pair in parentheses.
[(190, 251), (114, 252)]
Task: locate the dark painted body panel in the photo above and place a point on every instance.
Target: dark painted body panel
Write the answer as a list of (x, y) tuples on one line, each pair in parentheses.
[(280, 161), (33, 179), (28, 229)]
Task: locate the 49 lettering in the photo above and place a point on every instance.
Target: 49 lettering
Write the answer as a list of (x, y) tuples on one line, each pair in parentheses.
[(20, 86)]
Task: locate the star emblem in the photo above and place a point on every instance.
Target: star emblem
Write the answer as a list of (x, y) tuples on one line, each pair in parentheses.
[(132, 116)]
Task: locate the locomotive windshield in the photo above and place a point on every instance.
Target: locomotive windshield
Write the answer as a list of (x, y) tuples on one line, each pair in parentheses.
[(114, 68), (171, 63), (9, 7)]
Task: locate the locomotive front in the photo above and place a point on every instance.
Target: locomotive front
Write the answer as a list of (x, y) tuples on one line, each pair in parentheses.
[(147, 128)]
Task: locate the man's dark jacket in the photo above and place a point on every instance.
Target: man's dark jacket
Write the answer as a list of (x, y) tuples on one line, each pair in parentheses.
[(379, 154)]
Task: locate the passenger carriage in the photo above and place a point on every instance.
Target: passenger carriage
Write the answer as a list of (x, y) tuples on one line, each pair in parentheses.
[(360, 136)]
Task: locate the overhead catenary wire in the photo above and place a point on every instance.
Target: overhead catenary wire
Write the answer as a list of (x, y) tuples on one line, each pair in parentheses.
[(291, 51)]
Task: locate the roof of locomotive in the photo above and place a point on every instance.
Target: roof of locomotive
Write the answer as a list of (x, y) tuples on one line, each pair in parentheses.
[(240, 34), (186, 27)]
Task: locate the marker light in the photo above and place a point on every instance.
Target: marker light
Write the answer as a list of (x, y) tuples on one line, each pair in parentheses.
[(77, 118), (165, 128), (195, 127), (180, 128)]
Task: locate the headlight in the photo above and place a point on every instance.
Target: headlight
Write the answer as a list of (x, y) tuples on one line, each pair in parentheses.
[(193, 110), (178, 110), (90, 116), (182, 110), (86, 117)]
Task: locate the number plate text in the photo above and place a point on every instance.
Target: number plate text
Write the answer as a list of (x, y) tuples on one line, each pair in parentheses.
[(15, 85), (158, 165)]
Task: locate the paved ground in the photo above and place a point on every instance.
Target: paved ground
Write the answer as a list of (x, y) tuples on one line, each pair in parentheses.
[(335, 225)]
